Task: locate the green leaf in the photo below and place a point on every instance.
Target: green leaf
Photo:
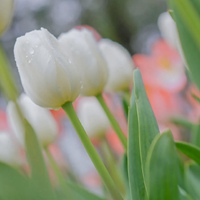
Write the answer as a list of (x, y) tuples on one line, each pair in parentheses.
[(39, 173), (193, 180), (195, 135), (181, 173), (187, 16), (13, 186), (124, 169), (189, 150), (184, 195), (142, 130), (162, 169)]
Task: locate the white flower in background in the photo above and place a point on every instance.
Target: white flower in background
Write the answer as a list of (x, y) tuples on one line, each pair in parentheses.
[(169, 32), (9, 150), (83, 50), (40, 119), (120, 65), (92, 117), (168, 29), (6, 12), (48, 77)]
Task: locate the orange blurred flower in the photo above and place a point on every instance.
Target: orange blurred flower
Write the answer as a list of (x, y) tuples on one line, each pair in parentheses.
[(162, 69)]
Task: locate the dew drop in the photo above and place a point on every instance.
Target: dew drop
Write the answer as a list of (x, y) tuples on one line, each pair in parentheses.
[(32, 51)]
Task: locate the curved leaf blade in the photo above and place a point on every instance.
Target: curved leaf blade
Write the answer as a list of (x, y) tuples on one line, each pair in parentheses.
[(162, 169), (187, 16)]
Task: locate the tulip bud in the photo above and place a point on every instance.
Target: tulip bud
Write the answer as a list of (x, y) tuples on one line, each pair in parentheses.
[(6, 12), (40, 119), (120, 65), (83, 50), (9, 150), (92, 117), (49, 78)]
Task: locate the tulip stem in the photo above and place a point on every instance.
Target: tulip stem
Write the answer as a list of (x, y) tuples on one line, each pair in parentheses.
[(112, 165), (113, 121), (58, 173), (100, 167), (7, 82), (55, 167)]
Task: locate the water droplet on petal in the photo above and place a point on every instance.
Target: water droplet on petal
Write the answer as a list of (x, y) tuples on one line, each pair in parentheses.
[(32, 51)]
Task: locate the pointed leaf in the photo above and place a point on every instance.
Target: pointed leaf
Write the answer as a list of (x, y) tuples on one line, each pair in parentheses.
[(142, 130), (162, 169)]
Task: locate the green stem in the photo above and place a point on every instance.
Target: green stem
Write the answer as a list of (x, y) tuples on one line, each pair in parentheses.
[(112, 166), (58, 174), (182, 122), (113, 121), (91, 151), (6, 78)]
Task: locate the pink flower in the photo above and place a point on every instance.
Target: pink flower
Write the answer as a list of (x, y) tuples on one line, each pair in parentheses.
[(163, 68), (3, 121), (165, 105)]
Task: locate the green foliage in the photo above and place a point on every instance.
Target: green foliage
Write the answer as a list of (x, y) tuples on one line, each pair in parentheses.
[(189, 150), (39, 174), (192, 177), (162, 169), (142, 130), (13, 185), (187, 17)]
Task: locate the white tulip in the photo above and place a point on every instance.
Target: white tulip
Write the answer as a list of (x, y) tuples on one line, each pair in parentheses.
[(40, 119), (48, 77), (120, 65), (169, 32), (6, 12), (82, 48), (168, 29), (92, 117), (9, 150)]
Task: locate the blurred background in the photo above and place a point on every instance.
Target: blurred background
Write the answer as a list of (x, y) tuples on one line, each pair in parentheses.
[(132, 23)]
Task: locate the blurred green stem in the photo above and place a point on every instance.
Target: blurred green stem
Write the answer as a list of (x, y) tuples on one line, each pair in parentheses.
[(103, 172), (182, 122), (6, 78), (58, 173), (112, 165), (113, 121)]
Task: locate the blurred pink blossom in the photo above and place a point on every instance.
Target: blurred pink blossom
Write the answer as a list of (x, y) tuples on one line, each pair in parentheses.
[(162, 69)]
